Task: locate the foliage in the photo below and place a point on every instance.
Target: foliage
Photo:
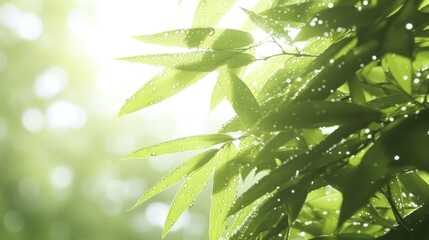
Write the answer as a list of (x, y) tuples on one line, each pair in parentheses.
[(336, 125)]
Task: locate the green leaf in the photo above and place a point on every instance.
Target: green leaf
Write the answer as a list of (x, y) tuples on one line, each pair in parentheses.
[(401, 69), (209, 12), (356, 91), (218, 95), (188, 192), (346, 236), (405, 144), (177, 175), (199, 61), (225, 182), (292, 170), (181, 145), (258, 76), (317, 114), (416, 185), (332, 19), (269, 25), (284, 79), (218, 39), (267, 152), (164, 85), (334, 75), (296, 12), (240, 97)]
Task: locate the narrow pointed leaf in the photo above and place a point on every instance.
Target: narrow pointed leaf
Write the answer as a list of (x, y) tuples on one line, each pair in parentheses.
[(401, 69), (269, 25), (159, 88), (209, 12), (356, 91), (199, 61), (225, 182), (218, 94), (290, 173), (318, 114), (181, 145), (218, 39), (240, 97), (177, 175), (188, 192)]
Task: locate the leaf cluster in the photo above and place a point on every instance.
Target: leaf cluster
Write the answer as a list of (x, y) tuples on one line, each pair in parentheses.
[(336, 123)]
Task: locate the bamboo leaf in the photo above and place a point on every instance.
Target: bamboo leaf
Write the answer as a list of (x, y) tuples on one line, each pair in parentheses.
[(188, 192), (317, 114), (164, 85), (177, 175), (240, 97), (218, 39), (225, 182), (181, 145), (206, 16), (268, 25), (199, 61)]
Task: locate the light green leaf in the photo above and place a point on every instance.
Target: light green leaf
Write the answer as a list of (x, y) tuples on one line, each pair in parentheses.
[(225, 183), (177, 175), (269, 25), (258, 76), (209, 12), (401, 69), (164, 85), (218, 95), (181, 145), (317, 114), (188, 192), (199, 61), (218, 39), (240, 97)]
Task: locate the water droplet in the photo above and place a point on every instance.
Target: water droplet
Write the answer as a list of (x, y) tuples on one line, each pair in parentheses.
[(153, 154), (396, 158), (409, 26), (330, 5)]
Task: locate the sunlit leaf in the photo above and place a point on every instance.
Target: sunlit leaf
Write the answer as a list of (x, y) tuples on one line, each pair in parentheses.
[(225, 182), (199, 61), (177, 175), (164, 85), (269, 25), (181, 145), (218, 39), (209, 12), (240, 97), (188, 192)]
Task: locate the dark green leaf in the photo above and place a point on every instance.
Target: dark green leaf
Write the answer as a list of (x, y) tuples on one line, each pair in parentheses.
[(317, 114)]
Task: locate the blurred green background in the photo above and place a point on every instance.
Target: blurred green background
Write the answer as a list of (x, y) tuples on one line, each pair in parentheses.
[(60, 90)]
